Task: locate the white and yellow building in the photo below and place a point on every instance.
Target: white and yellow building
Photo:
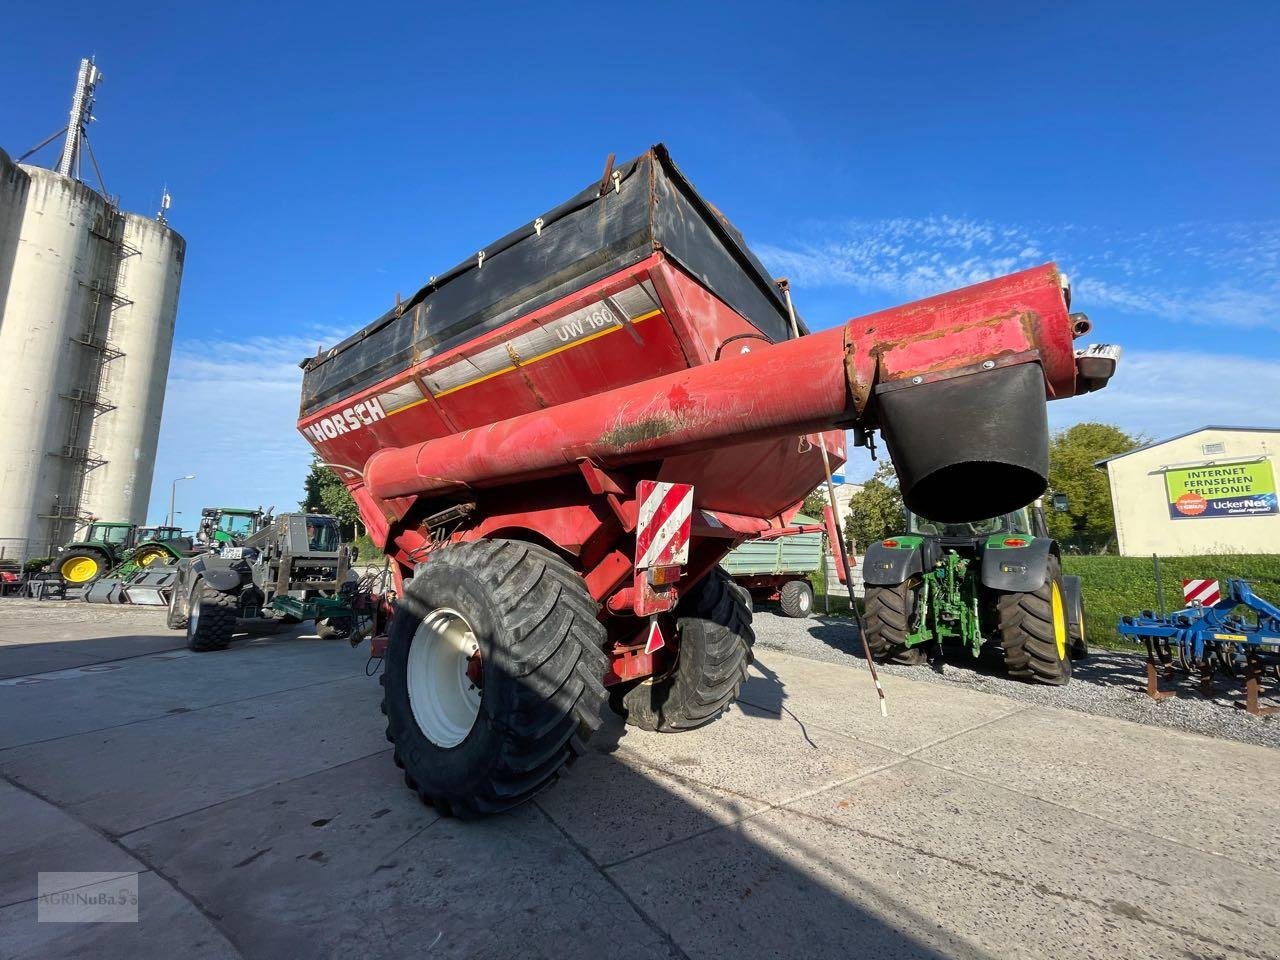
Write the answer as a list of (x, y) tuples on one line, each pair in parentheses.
[(1212, 490)]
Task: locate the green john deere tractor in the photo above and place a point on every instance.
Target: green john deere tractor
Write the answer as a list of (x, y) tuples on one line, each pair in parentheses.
[(121, 547), (964, 584), (231, 526)]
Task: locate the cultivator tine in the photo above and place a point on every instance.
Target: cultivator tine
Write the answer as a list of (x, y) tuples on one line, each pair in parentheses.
[(1228, 657), (1205, 665), (1253, 687), (1186, 656), (1156, 648)]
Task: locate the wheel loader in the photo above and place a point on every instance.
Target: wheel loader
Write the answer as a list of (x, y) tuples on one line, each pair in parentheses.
[(996, 582), (289, 569)]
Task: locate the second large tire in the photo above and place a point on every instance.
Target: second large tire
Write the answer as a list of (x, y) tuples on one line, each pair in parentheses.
[(537, 681), (796, 598), (1034, 633), (211, 617), (715, 638), (888, 615)]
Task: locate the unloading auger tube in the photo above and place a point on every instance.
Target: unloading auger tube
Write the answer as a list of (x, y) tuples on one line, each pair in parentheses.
[(956, 383)]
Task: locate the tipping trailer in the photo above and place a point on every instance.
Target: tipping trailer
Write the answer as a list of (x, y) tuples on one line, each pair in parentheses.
[(778, 564), (557, 441)]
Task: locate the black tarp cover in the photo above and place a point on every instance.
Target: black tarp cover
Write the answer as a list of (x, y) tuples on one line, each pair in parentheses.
[(581, 241)]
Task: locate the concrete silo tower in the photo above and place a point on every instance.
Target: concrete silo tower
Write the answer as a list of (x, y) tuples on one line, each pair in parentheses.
[(88, 300)]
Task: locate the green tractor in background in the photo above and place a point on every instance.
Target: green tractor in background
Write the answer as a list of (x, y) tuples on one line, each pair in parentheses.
[(231, 526), (964, 584), (121, 547)]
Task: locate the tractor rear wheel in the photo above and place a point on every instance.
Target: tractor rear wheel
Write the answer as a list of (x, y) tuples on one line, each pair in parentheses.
[(888, 615), (713, 652), (796, 598), (494, 675), (82, 567), (1034, 634), (211, 617), (146, 556)]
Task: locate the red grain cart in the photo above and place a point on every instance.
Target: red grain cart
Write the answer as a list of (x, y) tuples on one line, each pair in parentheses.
[(556, 441)]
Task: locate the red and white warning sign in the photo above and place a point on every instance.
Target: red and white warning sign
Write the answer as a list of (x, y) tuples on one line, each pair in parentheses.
[(1204, 592), (662, 531)]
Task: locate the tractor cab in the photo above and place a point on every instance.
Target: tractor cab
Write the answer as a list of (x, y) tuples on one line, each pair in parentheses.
[(1027, 522), (322, 533), (1015, 522), (157, 534), (116, 535), (231, 526)]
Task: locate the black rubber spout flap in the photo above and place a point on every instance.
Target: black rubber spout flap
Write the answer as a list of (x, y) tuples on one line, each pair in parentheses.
[(970, 447)]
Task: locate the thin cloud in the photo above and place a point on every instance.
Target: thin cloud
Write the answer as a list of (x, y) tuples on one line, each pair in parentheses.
[(1211, 274), (1159, 394), (230, 418)]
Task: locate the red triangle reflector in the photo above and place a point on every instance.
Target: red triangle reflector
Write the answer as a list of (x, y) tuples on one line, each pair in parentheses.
[(655, 641)]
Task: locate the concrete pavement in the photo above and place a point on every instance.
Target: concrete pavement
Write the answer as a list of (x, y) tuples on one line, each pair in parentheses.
[(255, 794)]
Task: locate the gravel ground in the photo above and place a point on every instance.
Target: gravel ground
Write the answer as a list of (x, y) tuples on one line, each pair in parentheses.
[(1108, 683)]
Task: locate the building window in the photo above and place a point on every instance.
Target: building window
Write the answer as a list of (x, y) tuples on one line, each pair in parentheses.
[(1210, 449)]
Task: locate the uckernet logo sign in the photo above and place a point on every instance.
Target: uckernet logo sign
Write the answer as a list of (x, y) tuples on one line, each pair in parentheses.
[(1222, 490)]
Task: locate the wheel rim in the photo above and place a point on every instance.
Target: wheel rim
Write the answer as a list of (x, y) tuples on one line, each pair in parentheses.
[(193, 610), (445, 677), (149, 557), (79, 569), (806, 601), (1059, 620)]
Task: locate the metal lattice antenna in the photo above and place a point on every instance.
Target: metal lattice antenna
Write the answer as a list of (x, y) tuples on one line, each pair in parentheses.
[(81, 114)]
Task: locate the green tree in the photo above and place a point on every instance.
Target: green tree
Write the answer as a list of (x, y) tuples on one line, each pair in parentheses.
[(1089, 524), (323, 492), (875, 511), (814, 503)]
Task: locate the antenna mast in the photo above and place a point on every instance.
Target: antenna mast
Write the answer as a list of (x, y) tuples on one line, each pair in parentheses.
[(81, 114)]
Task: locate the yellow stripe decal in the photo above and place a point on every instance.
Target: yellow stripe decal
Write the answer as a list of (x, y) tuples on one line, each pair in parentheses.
[(542, 356)]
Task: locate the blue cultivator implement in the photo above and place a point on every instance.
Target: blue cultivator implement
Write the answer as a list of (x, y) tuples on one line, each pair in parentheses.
[(1213, 639)]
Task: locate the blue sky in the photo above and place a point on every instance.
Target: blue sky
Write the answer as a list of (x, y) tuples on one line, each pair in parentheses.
[(323, 157)]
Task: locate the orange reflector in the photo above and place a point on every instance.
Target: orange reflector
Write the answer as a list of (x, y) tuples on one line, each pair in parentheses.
[(891, 543), (1014, 542), (659, 576)]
